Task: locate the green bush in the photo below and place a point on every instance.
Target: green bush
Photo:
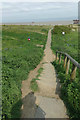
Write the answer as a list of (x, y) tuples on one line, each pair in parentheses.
[(59, 29), (70, 91), (67, 43)]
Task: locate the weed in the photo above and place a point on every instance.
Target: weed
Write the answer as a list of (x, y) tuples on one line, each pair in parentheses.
[(70, 91), (19, 57), (34, 85)]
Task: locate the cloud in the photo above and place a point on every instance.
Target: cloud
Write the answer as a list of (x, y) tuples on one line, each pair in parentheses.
[(27, 11), (28, 7), (40, 1)]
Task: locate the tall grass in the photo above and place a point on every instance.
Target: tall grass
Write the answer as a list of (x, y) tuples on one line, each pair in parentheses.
[(70, 91), (67, 43), (19, 57)]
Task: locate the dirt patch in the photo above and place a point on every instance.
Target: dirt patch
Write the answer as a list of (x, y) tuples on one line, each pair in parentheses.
[(44, 103), (28, 102), (13, 38), (40, 45)]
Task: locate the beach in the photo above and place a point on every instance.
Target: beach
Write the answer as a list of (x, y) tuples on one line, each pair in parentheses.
[(41, 23)]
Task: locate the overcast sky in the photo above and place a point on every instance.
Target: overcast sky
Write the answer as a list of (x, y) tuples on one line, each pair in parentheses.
[(38, 11), (39, 0)]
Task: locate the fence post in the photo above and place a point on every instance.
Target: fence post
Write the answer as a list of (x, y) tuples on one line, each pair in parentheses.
[(73, 74), (65, 59), (60, 58), (68, 64), (56, 56)]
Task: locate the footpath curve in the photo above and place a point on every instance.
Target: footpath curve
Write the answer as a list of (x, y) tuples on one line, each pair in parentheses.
[(46, 102)]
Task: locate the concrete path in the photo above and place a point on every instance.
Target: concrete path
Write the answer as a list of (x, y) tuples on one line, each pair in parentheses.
[(47, 98), (50, 108), (48, 80)]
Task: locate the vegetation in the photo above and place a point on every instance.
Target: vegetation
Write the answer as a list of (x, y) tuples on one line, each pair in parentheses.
[(34, 85), (70, 90), (68, 42), (19, 57)]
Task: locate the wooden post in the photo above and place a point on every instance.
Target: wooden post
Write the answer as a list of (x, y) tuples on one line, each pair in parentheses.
[(60, 58), (68, 64), (56, 56), (65, 59), (73, 74)]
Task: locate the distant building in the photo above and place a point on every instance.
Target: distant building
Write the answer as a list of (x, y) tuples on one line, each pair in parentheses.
[(76, 21), (33, 22)]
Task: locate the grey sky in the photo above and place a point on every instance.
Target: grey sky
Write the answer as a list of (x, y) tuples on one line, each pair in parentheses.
[(39, 11)]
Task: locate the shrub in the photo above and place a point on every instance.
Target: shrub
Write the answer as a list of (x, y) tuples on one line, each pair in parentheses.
[(70, 92), (59, 29)]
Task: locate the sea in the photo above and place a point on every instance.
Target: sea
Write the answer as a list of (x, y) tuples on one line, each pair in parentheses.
[(41, 23)]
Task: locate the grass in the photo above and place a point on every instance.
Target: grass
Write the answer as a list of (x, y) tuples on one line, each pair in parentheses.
[(70, 90), (39, 72), (34, 85), (19, 57), (67, 43)]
